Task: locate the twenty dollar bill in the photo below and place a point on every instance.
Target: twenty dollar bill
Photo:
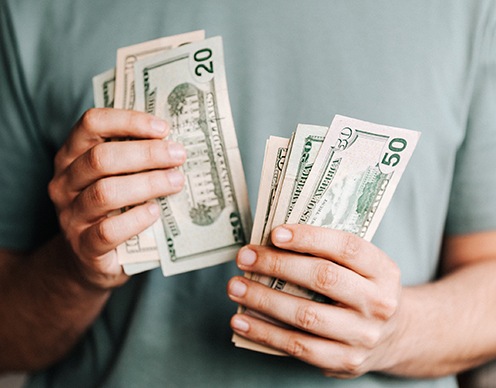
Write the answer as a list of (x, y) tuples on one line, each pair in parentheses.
[(209, 220)]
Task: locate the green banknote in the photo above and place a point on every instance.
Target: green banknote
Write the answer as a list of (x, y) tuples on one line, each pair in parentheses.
[(355, 176), (210, 219), (270, 180), (140, 253), (128, 56), (276, 150), (344, 181), (104, 88)]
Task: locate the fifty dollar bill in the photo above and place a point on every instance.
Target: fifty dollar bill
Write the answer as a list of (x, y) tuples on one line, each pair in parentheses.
[(349, 187)]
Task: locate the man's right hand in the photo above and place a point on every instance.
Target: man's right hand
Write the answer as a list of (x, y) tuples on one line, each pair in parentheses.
[(95, 177)]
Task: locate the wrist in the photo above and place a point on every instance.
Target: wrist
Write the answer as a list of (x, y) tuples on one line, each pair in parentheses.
[(83, 276), (409, 352), (397, 349), (47, 315)]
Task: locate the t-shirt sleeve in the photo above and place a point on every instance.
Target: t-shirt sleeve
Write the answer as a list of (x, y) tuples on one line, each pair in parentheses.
[(26, 213), (473, 200)]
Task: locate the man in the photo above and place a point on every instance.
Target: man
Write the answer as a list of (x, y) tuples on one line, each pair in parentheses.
[(70, 315)]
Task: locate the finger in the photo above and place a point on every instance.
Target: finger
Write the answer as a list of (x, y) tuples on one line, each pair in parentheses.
[(114, 158), (341, 247), (104, 236), (323, 353), (113, 193), (322, 276), (323, 320), (100, 124)]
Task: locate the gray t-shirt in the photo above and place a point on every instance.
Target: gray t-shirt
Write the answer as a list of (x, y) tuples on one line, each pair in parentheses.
[(424, 65)]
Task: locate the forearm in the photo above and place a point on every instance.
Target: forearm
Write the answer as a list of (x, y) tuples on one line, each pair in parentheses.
[(446, 326), (53, 295), (46, 307)]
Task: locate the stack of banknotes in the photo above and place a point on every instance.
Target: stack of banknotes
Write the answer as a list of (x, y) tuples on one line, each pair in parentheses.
[(341, 177), (182, 80)]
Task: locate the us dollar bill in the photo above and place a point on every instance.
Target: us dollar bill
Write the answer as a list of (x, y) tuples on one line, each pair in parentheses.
[(187, 87), (104, 88), (140, 253), (128, 56), (305, 145), (271, 177), (279, 171), (354, 178), (351, 183), (358, 170), (272, 171)]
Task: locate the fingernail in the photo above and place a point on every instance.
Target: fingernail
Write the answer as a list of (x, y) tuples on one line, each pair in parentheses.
[(239, 324), (158, 125), (154, 209), (177, 151), (247, 256), (282, 235), (237, 288), (176, 178)]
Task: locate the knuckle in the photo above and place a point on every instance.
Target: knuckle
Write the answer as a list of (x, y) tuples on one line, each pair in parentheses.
[(141, 218), (350, 246), (381, 305), (105, 232), (370, 337), (263, 336), (394, 272), (307, 318), (65, 219), (353, 363), (386, 307), (263, 303), (275, 263), (328, 372), (325, 277), (165, 152), (97, 158), (91, 118), (337, 374), (54, 191), (296, 347), (59, 160), (154, 150), (101, 194)]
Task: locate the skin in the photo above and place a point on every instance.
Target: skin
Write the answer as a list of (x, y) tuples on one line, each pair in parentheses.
[(429, 330), (375, 324), (66, 283)]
